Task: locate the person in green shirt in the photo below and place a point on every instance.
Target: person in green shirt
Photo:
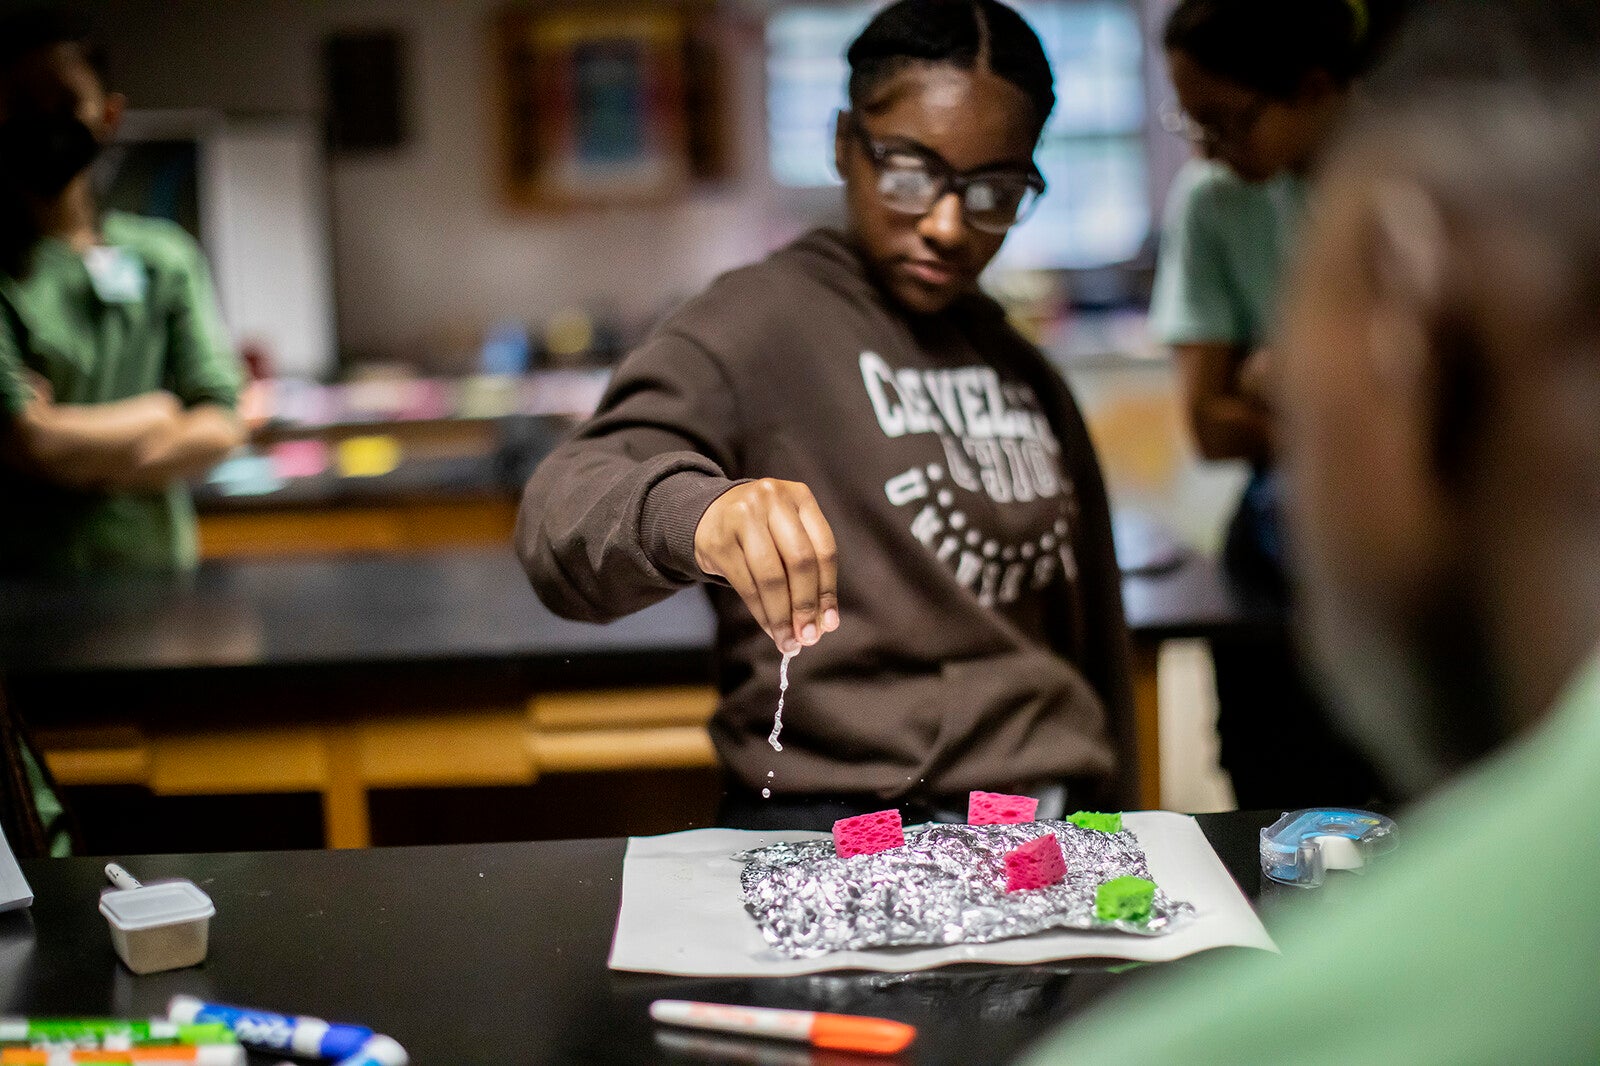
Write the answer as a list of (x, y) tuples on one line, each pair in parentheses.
[(1260, 85), (1441, 388), (117, 379)]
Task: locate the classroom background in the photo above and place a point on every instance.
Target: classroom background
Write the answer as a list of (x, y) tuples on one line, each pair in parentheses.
[(433, 227)]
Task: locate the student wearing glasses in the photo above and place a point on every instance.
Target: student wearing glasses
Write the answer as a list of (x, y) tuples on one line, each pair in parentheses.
[(858, 456), (1261, 84)]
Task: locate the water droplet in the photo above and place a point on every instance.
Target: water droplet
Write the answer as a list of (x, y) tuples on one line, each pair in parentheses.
[(769, 773), (783, 687), (766, 793)]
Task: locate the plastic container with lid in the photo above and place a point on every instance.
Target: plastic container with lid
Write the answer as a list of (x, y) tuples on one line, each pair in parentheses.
[(155, 927), (1299, 848)]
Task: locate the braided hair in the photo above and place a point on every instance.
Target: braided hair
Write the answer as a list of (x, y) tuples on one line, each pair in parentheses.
[(1272, 45), (970, 34)]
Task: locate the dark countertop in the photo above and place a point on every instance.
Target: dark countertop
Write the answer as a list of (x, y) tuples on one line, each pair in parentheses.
[(460, 608), (455, 607), (515, 444), (497, 954)]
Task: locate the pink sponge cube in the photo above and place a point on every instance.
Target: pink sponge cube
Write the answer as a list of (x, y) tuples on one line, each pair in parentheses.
[(868, 834), (1036, 864), (997, 808)]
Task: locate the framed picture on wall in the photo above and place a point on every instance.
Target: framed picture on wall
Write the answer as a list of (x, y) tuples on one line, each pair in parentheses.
[(593, 106)]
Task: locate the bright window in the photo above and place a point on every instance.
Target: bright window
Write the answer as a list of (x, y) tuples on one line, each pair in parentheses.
[(1097, 211)]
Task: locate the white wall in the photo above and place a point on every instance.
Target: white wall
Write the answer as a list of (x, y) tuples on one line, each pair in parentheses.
[(425, 253)]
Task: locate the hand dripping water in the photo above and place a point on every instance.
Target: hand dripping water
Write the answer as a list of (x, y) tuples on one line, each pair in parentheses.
[(777, 720)]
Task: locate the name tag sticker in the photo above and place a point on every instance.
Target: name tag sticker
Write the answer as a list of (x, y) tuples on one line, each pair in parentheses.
[(117, 275)]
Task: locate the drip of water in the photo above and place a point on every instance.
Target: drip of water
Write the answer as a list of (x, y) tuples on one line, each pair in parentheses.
[(783, 687), (766, 793)]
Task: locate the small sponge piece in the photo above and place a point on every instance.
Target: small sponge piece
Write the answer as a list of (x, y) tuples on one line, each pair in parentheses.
[(1103, 823), (868, 834), (1124, 899), (997, 808), (1036, 864)]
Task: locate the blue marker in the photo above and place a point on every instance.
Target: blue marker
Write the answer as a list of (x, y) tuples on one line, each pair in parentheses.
[(311, 1037)]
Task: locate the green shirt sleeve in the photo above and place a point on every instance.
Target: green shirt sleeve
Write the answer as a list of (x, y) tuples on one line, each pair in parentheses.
[(1475, 943), (1194, 301), (201, 361)]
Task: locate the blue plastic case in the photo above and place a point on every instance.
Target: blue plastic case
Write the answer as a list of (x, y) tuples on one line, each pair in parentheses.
[(1299, 848)]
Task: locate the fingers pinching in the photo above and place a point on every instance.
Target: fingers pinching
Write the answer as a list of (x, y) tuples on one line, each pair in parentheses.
[(772, 584), (827, 554), (793, 543), (768, 538)]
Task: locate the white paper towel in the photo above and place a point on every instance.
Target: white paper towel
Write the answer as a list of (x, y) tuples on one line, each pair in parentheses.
[(681, 912)]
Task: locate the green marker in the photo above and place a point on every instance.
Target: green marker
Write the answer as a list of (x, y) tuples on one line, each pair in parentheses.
[(99, 1030)]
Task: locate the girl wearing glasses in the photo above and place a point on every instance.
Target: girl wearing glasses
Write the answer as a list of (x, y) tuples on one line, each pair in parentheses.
[(1261, 84), (858, 456)]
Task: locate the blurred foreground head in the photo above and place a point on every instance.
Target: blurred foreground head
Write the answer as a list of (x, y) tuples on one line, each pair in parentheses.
[(1442, 386)]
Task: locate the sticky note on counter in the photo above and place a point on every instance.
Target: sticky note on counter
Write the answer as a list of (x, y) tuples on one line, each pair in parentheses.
[(371, 456), (299, 458)]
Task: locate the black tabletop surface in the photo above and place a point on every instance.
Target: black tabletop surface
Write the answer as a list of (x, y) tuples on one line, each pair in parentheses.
[(459, 607), (497, 954)]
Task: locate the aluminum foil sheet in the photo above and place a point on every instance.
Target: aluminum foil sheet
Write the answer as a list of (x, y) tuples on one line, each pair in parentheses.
[(946, 886)]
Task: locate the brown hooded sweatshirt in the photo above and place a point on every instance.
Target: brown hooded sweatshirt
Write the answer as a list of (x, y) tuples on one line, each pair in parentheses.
[(982, 641)]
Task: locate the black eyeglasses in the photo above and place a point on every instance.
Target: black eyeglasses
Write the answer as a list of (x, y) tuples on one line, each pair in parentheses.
[(912, 179)]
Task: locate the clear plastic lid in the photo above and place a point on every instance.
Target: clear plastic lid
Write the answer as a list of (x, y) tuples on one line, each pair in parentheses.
[(167, 903)]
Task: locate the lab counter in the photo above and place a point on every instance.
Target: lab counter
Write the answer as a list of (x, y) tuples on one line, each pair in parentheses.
[(437, 669)]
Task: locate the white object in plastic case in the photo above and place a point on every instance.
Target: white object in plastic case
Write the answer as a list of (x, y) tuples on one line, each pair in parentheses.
[(162, 926)]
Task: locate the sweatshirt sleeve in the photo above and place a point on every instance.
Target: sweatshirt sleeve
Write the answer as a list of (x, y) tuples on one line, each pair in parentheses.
[(607, 522)]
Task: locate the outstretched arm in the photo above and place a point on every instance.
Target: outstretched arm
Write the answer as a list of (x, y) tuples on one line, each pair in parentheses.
[(645, 500)]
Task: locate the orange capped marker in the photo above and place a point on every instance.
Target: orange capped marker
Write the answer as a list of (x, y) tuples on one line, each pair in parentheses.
[(842, 1032)]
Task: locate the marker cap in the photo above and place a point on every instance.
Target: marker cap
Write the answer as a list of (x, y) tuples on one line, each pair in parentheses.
[(877, 1036), (184, 1009), (220, 1055), (378, 1051)]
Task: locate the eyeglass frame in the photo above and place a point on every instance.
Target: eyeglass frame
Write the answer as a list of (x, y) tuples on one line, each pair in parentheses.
[(1178, 122), (947, 179)]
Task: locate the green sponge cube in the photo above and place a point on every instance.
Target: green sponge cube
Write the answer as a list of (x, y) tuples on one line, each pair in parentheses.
[(1124, 899), (1104, 823)]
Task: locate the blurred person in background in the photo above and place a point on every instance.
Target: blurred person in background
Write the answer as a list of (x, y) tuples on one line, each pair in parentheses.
[(1261, 84), (1441, 392), (117, 378), (858, 456)]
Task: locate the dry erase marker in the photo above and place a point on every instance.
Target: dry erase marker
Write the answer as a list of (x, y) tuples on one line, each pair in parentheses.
[(176, 1055), (379, 1051), (311, 1037), (844, 1032), (105, 1030)]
